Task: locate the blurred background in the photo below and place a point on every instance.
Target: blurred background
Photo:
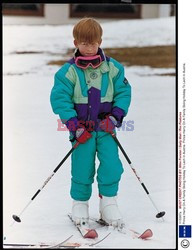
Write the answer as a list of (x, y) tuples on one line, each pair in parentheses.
[(69, 13), (37, 40), (64, 14)]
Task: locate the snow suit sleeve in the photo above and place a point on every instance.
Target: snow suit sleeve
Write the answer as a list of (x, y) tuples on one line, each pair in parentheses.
[(122, 94), (61, 96)]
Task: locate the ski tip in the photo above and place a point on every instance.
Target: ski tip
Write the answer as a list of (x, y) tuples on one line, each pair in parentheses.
[(146, 234), (91, 234)]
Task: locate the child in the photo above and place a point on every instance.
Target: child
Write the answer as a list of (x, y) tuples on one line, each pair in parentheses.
[(91, 96)]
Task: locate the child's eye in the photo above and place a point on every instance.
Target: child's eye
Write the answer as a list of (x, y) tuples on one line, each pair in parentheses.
[(84, 44), (88, 44)]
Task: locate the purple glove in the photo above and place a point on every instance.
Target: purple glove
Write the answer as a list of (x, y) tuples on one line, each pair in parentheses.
[(108, 124)]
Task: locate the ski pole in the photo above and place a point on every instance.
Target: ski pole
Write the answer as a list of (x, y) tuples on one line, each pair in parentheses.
[(17, 218), (159, 214)]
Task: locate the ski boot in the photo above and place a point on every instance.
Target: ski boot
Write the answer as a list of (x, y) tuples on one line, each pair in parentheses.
[(110, 213), (80, 214)]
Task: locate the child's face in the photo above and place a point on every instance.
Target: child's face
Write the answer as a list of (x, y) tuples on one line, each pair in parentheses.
[(87, 49)]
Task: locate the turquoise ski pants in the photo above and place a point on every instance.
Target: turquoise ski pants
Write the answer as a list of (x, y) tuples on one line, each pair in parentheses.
[(83, 167)]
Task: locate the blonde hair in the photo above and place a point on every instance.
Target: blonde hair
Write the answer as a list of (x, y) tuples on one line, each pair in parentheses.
[(87, 30)]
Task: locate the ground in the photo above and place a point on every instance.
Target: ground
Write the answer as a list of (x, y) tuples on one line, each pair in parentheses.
[(154, 56)]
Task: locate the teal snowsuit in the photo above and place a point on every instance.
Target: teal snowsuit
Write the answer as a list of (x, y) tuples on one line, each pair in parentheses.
[(83, 95)]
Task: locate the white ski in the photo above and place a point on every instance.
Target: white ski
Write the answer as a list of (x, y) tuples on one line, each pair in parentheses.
[(41, 245), (85, 232), (145, 235), (89, 233)]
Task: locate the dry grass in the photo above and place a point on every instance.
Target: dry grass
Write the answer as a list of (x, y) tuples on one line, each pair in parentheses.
[(155, 56)]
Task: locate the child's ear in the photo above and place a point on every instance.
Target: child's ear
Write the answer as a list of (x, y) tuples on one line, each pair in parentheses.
[(100, 42), (75, 43)]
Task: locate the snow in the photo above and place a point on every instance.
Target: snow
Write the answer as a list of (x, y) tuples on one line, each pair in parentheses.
[(33, 147), (131, 33)]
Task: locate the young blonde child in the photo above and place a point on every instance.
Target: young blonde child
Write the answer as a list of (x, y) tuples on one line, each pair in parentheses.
[(91, 96)]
